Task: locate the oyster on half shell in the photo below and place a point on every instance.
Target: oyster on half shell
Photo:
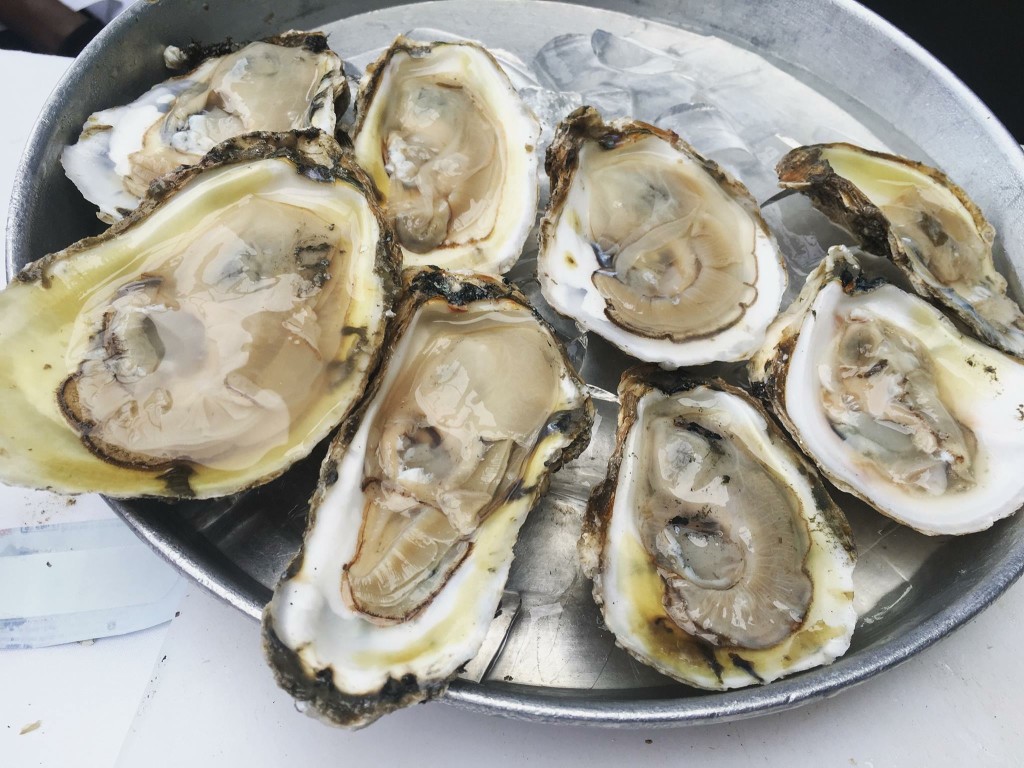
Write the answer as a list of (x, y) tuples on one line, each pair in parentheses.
[(453, 149), (289, 82), (410, 534), (654, 247), (894, 404), (209, 340), (717, 556), (916, 216)]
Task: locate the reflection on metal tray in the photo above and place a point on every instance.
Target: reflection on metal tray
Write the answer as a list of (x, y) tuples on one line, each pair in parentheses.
[(547, 656)]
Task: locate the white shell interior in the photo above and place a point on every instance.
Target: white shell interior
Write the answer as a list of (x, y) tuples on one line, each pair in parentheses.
[(512, 206), (631, 588), (224, 96), (568, 262), (308, 611), (986, 395)]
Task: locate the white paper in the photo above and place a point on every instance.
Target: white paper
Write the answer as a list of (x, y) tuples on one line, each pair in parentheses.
[(70, 569)]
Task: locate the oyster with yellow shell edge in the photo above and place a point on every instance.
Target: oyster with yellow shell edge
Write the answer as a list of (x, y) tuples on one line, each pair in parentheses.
[(206, 342)]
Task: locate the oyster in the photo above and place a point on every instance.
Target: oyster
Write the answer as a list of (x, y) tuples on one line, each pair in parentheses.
[(452, 147), (209, 340), (411, 530), (717, 555), (916, 216), (653, 247), (289, 82), (894, 404)]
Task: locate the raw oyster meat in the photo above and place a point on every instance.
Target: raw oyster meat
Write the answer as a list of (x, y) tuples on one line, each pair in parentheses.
[(210, 339), (411, 530), (654, 247), (453, 149), (289, 82), (717, 555), (894, 404), (916, 216)]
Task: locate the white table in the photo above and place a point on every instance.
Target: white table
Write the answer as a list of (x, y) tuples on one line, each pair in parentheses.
[(196, 692)]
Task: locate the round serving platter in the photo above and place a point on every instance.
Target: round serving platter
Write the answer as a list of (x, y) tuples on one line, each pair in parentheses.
[(547, 657)]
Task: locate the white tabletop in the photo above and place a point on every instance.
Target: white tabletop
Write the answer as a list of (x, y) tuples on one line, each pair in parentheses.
[(196, 692)]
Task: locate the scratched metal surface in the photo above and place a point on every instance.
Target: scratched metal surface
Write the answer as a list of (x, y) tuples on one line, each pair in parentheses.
[(547, 656)]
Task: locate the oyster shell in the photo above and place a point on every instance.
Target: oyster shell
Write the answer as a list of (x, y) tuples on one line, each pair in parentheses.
[(411, 530), (717, 555), (654, 247), (916, 216), (452, 147), (209, 340), (288, 82), (894, 404)]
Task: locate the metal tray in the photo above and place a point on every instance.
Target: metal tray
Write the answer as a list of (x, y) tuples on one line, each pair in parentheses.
[(553, 661)]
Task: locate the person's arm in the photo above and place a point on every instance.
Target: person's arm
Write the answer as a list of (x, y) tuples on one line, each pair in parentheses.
[(46, 24)]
